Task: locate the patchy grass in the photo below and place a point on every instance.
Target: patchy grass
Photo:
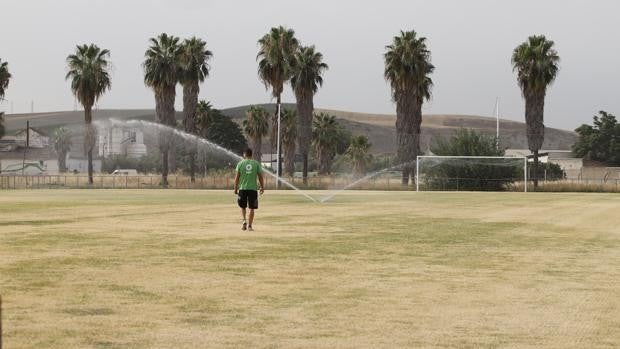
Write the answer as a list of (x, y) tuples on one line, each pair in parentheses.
[(162, 268)]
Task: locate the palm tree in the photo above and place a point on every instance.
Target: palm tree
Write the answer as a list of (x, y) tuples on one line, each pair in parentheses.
[(5, 76), (407, 69), (289, 138), (203, 122), (537, 64), (203, 119), (62, 145), (194, 70), (308, 68), (275, 56), (256, 126), (90, 78), (161, 73), (325, 140), (358, 154)]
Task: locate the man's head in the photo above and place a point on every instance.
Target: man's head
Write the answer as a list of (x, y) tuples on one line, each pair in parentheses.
[(247, 153)]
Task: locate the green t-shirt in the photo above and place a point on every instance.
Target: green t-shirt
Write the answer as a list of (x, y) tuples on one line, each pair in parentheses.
[(248, 174)]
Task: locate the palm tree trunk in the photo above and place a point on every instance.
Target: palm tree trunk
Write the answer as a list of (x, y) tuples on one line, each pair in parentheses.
[(323, 161), (257, 144), (535, 177), (89, 140), (279, 141), (305, 168), (190, 102), (62, 162), (192, 167), (164, 168), (164, 109), (90, 166), (408, 120), (535, 127), (289, 160), (305, 108), (172, 159)]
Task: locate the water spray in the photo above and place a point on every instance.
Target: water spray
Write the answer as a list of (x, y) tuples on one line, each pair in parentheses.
[(190, 137), (365, 178)]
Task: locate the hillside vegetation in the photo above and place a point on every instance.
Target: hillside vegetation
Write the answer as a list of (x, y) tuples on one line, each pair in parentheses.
[(379, 127)]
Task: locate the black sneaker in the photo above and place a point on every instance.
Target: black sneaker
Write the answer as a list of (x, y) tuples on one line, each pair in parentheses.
[(245, 226)]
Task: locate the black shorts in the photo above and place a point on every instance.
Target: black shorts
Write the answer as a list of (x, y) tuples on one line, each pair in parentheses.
[(248, 198)]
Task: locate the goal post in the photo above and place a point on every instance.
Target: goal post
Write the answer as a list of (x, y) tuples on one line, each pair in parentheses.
[(471, 173)]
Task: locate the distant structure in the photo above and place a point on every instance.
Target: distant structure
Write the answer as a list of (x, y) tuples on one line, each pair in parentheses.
[(572, 166), (38, 157), (38, 139), (117, 140)]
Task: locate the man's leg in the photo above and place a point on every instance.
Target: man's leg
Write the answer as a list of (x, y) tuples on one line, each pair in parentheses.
[(251, 217), (244, 226)]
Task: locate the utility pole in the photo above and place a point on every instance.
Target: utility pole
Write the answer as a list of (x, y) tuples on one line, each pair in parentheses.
[(497, 123), (26, 148), (31, 107)]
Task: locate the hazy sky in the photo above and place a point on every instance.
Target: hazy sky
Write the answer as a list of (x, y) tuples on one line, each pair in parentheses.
[(471, 43)]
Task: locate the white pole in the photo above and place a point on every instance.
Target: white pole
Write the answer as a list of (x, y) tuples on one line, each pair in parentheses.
[(525, 173), (417, 174), (497, 126), (278, 152)]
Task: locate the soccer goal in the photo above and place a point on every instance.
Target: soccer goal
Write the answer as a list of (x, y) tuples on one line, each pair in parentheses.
[(471, 173)]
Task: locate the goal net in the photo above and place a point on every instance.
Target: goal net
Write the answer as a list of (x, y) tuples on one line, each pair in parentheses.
[(471, 173)]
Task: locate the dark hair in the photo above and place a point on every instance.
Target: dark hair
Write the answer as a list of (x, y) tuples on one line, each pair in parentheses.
[(247, 152)]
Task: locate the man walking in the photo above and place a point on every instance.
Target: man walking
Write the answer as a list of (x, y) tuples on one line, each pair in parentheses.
[(246, 188)]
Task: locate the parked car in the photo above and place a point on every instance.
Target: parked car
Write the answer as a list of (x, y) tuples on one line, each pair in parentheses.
[(125, 172)]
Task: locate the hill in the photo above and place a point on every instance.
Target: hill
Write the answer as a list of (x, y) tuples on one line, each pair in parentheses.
[(379, 127)]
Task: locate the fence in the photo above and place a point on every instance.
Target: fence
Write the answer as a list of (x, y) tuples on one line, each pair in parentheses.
[(385, 181), (69, 181)]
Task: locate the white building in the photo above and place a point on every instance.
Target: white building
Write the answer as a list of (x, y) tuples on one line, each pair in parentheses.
[(79, 163), (566, 159), (118, 140), (39, 158)]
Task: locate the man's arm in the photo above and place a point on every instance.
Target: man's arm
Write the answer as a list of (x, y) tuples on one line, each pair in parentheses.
[(261, 180), (237, 183)]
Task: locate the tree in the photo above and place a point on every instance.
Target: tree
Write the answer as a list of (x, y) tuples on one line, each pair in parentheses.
[(536, 63), (204, 118), (325, 135), (2, 130), (275, 55), (289, 138), (256, 126), (5, 77), (307, 71), (62, 145), (90, 78), (194, 69), (407, 69), (225, 132), (600, 142), (474, 174), (357, 153), (161, 73)]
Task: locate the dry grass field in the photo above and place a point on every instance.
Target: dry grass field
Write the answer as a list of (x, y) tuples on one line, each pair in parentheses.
[(172, 269)]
